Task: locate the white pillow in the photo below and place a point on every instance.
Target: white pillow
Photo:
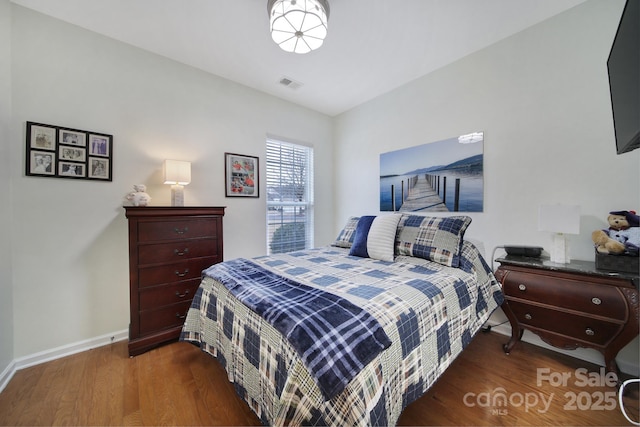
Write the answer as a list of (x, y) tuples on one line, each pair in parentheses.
[(382, 237)]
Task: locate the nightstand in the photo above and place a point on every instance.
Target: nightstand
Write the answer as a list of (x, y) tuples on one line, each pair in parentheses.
[(168, 249), (570, 305)]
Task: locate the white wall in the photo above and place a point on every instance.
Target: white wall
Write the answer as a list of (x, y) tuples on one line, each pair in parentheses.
[(6, 290), (542, 99), (70, 237)]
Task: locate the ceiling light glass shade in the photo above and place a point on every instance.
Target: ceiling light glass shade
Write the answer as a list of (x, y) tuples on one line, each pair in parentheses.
[(298, 26)]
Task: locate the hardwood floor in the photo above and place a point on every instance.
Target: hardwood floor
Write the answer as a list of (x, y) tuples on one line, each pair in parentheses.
[(179, 385)]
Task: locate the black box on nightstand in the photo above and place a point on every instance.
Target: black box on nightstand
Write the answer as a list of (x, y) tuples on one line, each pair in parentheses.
[(621, 263)]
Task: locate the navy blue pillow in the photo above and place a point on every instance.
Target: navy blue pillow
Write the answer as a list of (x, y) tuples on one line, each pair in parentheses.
[(359, 247)]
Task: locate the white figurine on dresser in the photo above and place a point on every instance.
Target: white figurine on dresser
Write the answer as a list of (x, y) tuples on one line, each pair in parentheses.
[(139, 197)]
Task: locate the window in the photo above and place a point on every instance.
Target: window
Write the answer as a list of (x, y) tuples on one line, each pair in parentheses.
[(289, 197)]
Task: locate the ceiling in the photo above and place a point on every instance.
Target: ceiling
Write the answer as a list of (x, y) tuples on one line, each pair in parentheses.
[(372, 47)]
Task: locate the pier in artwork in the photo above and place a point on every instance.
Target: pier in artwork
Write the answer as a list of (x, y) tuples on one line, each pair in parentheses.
[(423, 194)]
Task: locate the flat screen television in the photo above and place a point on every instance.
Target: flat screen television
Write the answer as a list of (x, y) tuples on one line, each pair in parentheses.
[(624, 79)]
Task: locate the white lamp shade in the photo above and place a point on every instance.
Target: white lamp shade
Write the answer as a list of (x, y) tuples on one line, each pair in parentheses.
[(177, 172), (563, 219)]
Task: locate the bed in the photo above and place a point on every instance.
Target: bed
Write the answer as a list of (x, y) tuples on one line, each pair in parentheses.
[(420, 290)]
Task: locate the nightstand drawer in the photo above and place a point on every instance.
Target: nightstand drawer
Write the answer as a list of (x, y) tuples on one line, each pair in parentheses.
[(578, 327), (175, 251), (163, 318), (600, 300), (176, 229), (171, 273), (159, 296)]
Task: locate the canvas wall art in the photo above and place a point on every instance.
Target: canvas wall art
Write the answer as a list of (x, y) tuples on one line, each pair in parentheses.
[(442, 176)]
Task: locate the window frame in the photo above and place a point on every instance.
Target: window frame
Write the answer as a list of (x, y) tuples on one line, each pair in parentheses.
[(281, 206)]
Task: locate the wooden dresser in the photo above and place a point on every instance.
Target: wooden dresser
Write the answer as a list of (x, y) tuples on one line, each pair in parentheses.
[(570, 305), (168, 249)]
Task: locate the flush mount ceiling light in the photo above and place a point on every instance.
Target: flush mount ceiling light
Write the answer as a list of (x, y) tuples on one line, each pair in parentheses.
[(298, 26), (471, 138)]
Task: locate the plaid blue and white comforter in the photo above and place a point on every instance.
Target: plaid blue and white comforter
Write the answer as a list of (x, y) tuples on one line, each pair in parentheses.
[(334, 338), (429, 311)]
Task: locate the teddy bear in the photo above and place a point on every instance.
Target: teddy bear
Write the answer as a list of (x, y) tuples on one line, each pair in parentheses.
[(139, 197), (623, 235)]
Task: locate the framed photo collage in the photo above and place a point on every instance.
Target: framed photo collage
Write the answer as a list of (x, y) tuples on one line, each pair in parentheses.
[(58, 152)]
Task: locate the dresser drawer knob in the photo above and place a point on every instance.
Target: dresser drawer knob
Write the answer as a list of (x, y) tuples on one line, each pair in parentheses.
[(181, 252), (181, 316), (181, 231), (186, 271), (589, 332), (522, 287), (528, 316), (179, 295), (596, 301)]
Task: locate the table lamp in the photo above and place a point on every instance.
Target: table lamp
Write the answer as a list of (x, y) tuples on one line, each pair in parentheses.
[(178, 174), (560, 220)]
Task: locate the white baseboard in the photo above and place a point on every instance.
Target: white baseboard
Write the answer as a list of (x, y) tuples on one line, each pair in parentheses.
[(59, 352), (7, 374), (586, 354)]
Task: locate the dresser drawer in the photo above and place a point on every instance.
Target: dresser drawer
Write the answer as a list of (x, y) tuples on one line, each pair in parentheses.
[(163, 318), (172, 273), (581, 328), (159, 296), (176, 229), (588, 297), (158, 253)]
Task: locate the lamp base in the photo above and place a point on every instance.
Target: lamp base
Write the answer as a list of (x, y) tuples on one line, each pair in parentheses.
[(177, 195), (560, 249)]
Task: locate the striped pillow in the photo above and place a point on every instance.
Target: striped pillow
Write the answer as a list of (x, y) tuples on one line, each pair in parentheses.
[(375, 237), (435, 239)]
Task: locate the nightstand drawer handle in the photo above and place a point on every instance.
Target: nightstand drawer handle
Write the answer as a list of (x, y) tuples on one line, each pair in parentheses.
[(184, 230), (186, 271), (589, 332), (179, 295), (528, 316), (596, 301), (522, 287), (181, 316), (181, 253)]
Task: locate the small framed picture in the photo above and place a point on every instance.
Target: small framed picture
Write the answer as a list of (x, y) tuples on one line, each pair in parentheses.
[(72, 137), (71, 153), (69, 169), (241, 175), (41, 137), (42, 162), (98, 168), (99, 145), (61, 152)]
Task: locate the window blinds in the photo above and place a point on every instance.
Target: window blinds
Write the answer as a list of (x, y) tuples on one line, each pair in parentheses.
[(289, 180)]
